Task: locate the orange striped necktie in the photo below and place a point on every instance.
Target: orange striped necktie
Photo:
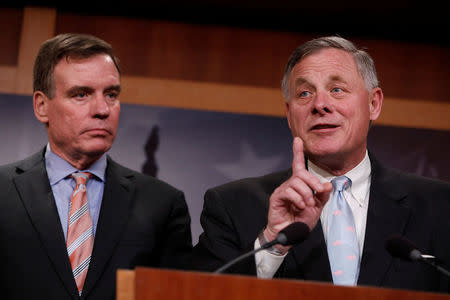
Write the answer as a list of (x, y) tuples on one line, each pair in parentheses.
[(80, 239)]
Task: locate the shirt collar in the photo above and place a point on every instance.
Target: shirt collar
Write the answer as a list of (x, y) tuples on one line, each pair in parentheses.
[(359, 175), (58, 168)]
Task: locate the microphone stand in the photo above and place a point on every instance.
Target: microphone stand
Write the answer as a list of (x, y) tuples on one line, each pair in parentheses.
[(292, 234), (431, 260), (245, 255)]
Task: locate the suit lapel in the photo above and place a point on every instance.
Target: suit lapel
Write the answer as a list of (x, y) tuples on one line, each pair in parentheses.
[(387, 215), (36, 194), (312, 256), (113, 218)]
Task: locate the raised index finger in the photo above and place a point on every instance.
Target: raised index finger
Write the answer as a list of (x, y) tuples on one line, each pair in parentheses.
[(298, 161)]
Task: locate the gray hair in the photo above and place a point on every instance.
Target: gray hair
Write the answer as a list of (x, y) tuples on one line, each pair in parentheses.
[(364, 62)]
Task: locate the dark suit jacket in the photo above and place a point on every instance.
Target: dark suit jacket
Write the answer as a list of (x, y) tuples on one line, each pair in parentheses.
[(416, 207), (142, 222)]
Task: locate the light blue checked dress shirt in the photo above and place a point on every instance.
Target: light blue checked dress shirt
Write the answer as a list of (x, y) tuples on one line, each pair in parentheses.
[(62, 185)]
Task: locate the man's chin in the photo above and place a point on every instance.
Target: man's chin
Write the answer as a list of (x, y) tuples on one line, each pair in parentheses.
[(96, 150), (322, 150)]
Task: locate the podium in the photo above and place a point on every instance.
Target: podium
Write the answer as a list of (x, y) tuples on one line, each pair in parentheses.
[(159, 284)]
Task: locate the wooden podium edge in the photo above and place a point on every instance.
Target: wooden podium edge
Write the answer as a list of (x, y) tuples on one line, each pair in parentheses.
[(125, 284), (134, 283)]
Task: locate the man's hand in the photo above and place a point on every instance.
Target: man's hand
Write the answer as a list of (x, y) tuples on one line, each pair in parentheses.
[(299, 199)]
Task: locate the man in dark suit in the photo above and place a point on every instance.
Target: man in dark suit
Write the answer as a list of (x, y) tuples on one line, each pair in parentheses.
[(350, 202), (130, 219)]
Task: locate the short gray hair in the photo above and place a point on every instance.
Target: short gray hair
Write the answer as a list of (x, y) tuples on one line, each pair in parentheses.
[(364, 62)]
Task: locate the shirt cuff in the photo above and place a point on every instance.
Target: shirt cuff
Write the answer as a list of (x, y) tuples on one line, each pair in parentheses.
[(267, 263)]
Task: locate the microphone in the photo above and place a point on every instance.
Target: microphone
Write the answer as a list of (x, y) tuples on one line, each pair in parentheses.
[(292, 234), (401, 247)]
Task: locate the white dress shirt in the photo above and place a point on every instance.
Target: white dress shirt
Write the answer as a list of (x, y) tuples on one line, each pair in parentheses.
[(357, 197)]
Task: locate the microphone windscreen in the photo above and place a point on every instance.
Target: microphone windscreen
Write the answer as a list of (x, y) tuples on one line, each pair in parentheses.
[(400, 247), (293, 234)]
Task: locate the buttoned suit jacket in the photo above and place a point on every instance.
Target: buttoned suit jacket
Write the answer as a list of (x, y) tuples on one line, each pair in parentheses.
[(142, 222), (400, 204)]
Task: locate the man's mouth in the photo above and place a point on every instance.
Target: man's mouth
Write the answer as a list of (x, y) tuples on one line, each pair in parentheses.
[(96, 131), (324, 126)]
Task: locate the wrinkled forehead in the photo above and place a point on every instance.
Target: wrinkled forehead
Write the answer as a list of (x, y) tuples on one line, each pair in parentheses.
[(329, 62)]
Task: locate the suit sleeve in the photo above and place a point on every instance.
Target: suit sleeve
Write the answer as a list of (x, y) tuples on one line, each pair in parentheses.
[(176, 245), (441, 243), (220, 241)]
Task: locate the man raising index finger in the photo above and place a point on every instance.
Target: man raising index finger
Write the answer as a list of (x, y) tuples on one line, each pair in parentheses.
[(332, 96), (298, 199)]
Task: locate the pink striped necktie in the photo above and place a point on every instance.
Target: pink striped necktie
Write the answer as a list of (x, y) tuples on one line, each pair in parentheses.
[(80, 238)]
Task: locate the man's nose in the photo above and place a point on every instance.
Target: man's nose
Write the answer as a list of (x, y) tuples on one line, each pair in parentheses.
[(100, 107), (322, 103)]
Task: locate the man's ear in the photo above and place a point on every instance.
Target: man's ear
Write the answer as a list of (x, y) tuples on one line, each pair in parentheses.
[(375, 103), (40, 105), (288, 115)]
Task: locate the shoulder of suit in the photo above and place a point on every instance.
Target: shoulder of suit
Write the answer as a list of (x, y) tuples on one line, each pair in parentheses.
[(384, 173), (412, 184), (141, 180), (265, 183), (23, 165), (421, 181)]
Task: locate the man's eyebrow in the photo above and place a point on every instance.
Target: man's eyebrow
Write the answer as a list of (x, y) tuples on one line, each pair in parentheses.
[(116, 88), (336, 78), (78, 88), (300, 81)]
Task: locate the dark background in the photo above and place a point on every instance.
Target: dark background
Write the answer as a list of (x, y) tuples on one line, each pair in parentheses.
[(409, 21)]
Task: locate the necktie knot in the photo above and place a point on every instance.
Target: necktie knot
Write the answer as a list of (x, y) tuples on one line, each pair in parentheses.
[(341, 183), (81, 177)]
